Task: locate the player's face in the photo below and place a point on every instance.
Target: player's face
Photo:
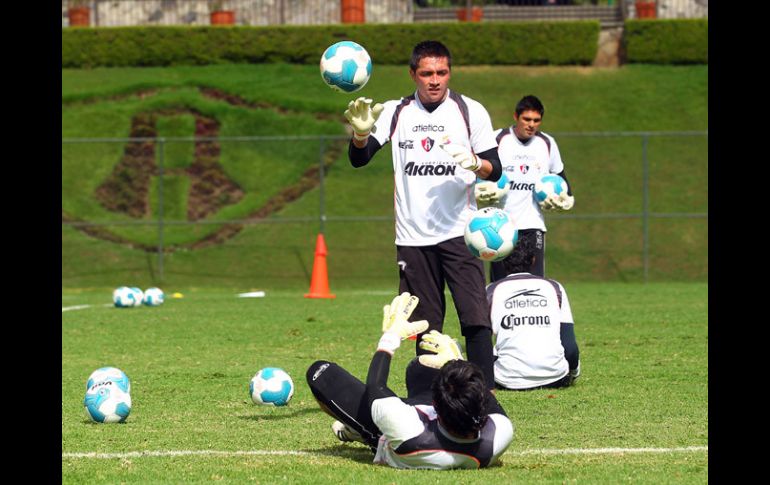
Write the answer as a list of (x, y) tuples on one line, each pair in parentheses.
[(432, 78), (527, 124)]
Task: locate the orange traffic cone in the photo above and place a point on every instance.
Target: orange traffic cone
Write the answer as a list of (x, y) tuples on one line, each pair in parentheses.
[(319, 282)]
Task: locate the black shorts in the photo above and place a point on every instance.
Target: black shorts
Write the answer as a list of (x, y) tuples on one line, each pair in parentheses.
[(424, 271), (497, 269)]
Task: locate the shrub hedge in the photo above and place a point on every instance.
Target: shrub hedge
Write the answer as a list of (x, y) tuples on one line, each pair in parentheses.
[(670, 41), (521, 43)]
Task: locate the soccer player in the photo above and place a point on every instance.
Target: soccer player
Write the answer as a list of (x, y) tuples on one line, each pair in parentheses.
[(532, 320), (449, 419), (434, 190), (526, 154)]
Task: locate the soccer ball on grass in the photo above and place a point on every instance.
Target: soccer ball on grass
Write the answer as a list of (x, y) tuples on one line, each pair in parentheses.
[(113, 374), (107, 402), (490, 234), (346, 66), (271, 386), (125, 297), (153, 297)]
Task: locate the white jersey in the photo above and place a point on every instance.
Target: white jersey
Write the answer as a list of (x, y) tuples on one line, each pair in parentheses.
[(433, 195), (527, 312), (524, 164), (413, 438)]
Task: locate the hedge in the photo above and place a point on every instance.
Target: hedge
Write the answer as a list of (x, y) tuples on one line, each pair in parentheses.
[(520, 43), (671, 41)]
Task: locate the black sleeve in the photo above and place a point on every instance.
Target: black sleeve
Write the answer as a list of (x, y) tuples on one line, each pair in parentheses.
[(377, 378), (569, 186), (494, 159), (571, 351), (361, 156)]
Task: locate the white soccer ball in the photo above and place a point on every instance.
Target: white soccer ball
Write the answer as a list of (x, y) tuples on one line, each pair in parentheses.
[(138, 296), (271, 386), (113, 374), (346, 66), (106, 402), (153, 296), (125, 297), (490, 234), (549, 185)]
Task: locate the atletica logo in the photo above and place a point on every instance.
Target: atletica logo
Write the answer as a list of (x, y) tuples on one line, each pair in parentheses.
[(427, 143), (510, 321), (419, 128), (407, 144), (439, 169), (532, 300)]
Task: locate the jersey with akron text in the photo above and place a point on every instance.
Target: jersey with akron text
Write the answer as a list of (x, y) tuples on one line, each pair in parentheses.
[(524, 163), (433, 195), (413, 438), (527, 312)]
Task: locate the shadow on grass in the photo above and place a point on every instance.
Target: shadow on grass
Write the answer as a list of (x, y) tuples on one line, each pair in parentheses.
[(276, 416), (353, 451)]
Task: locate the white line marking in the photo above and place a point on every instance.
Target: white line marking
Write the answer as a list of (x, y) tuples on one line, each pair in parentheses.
[(565, 451), (79, 307)]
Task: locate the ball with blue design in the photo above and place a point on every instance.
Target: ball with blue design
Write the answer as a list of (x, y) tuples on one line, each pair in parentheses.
[(113, 374), (107, 402), (490, 234), (346, 66), (153, 297), (125, 297), (549, 185), (271, 386)]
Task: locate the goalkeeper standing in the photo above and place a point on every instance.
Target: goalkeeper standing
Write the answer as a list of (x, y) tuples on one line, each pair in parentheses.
[(434, 190), (526, 154), (449, 419)]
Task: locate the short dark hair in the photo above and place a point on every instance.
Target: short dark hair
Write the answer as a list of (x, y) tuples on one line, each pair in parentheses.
[(521, 258), (460, 397), (429, 48), (529, 103)]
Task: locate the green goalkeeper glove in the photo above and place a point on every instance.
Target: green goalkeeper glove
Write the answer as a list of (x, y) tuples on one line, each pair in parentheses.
[(395, 322), (362, 116), (445, 347)]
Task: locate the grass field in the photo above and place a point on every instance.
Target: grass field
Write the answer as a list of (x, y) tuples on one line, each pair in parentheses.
[(638, 413)]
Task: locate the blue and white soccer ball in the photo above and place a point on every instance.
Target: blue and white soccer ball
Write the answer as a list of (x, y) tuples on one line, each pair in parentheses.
[(346, 66), (271, 386), (113, 374), (107, 402), (548, 185), (490, 234), (153, 296), (125, 297)]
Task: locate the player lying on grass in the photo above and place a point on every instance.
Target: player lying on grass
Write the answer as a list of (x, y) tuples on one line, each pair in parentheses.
[(532, 320), (449, 418)]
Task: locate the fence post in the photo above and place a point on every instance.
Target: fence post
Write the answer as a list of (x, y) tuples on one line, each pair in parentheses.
[(161, 150), (321, 183), (645, 207)]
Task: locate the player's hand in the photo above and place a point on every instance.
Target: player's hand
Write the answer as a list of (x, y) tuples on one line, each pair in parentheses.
[(463, 156), (561, 202), (445, 348), (362, 116), (489, 193), (395, 322)]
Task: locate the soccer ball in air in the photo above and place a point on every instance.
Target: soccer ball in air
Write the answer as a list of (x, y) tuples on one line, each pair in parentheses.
[(548, 185), (490, 234), (107, 402), (125, 297), (271, 386), (113, 374), (153, 296), (346, 66)]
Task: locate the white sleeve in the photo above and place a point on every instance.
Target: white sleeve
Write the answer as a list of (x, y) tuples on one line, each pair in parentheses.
[(555, 164), (503, 434), (382, 125), (482, 134), (566, 310), (397, 420)]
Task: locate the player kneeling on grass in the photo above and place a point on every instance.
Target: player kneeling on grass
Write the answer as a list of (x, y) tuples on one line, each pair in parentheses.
[(449, 418), (532, 320)]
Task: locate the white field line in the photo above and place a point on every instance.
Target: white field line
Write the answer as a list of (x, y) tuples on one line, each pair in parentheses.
[(565, 451), (80, 307)]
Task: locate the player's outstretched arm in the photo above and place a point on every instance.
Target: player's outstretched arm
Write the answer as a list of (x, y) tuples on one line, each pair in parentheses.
[(362, 116)]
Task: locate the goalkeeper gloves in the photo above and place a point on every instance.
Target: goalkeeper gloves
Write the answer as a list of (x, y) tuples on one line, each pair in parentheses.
[(395, 322), (561, 202), (462, 156), (362, 116), (445, 347), (575, 373), (490, 193)]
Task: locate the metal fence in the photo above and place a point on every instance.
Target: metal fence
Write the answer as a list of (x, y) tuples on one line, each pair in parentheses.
[(650, 227), (116, 13)]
